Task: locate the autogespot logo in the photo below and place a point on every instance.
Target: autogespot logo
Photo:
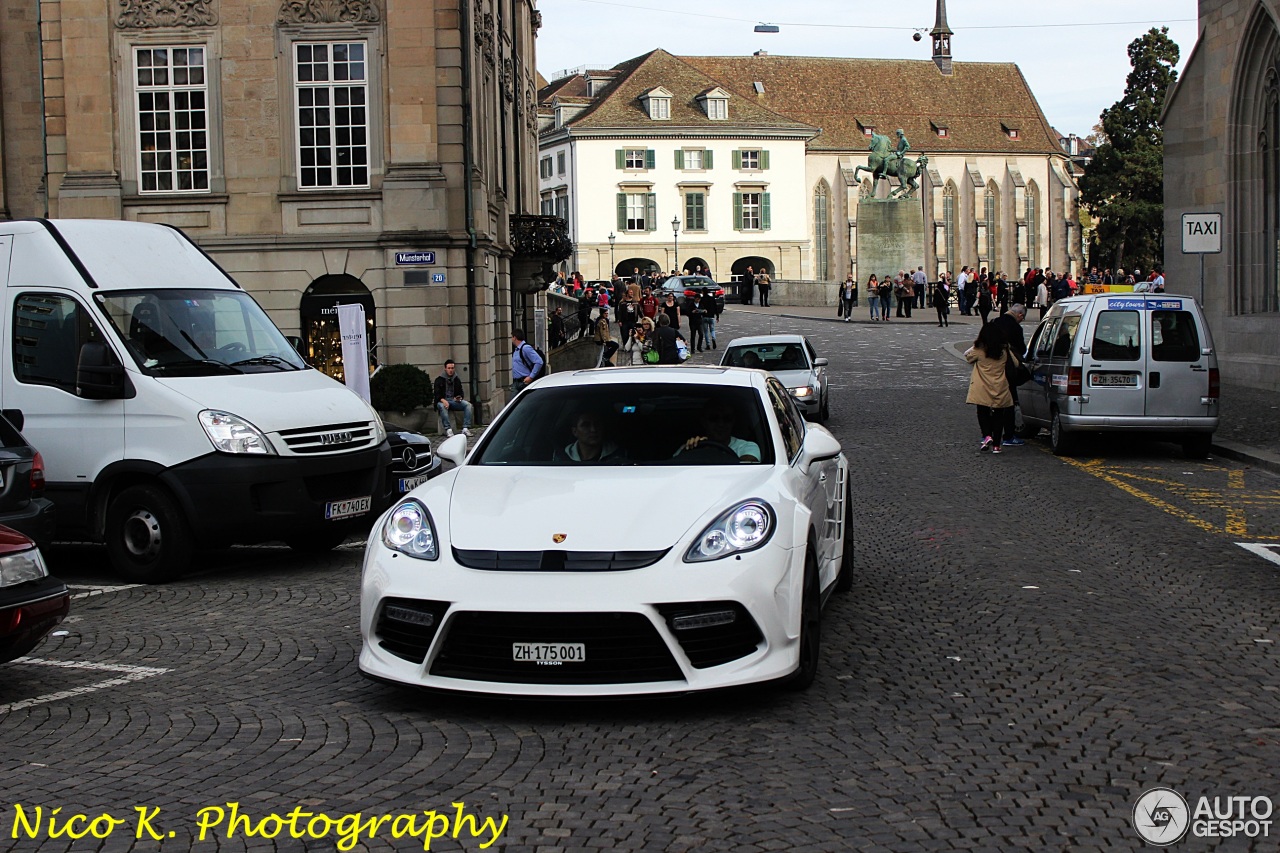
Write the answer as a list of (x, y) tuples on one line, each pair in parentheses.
[(1161, 817)]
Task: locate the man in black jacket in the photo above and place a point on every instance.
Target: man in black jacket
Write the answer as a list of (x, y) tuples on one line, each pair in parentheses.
[(448, 394)]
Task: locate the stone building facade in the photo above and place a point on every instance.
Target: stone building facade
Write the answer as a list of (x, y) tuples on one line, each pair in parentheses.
[(1222, 155), (322, 151)]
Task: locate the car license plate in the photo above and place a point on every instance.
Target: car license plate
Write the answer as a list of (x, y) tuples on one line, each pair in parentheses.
[(408, 484), (335, 510), (1113, 380), (549, 654)]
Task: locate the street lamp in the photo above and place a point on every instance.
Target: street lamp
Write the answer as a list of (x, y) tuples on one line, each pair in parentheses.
[(675, 239), (613, 268)]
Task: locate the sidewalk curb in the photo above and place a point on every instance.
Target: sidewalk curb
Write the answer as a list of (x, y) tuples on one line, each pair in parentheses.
[(750, 309)]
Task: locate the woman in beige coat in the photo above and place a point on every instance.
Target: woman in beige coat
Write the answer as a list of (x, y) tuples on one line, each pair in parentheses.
[(989, 387)]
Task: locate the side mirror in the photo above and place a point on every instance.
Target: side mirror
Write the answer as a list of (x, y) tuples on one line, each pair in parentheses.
[(99, 376), (819, 445), (820, 362), (453, 449), (295, 342)]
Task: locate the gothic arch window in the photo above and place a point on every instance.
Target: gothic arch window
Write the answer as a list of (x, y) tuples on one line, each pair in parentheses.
[(949, 227), (990, 210), (1254, 199), (1033, 225), (821, 231)]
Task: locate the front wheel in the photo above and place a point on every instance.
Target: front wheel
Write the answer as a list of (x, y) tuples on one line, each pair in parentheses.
[(147, 536), (1059, 439), (810, 628)]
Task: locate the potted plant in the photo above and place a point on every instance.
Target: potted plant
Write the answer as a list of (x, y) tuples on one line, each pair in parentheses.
[(402, 394)]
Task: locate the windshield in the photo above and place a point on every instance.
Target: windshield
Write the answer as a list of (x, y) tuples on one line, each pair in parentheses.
[(772, 357), (637, 425), (197, 332)]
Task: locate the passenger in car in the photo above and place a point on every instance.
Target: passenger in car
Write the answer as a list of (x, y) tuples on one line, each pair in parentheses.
[(717, 421), (591, 443)]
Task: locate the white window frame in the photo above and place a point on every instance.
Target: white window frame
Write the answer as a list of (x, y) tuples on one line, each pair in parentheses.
[(660, 109), (718, 109), (752, 154), (753, 210), (198, 130), (691, 154), (334, 86), (634, 158), (637, 202)]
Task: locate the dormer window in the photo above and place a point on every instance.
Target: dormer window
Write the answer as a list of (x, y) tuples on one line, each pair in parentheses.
[(657, 103), (868, 131), (940, 129), (1009, 130), (715, 103)]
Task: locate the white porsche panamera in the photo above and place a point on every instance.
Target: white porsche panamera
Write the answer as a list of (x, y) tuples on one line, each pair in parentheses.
[(633, 530)]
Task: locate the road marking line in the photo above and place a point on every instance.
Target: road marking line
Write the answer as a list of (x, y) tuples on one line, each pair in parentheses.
[(127, 674), (98, 590), (1156, 502), (1263, 551)]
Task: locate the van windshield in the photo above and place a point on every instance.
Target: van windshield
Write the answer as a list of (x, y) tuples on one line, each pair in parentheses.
[(197, 332)]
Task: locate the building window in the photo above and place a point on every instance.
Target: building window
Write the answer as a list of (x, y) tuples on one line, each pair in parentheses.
[(821, 226), (942, 133), (751, 211), (562, 205), (560, 163), (173, 119), (695, 211), (693, 159), (637, 211), (750, 159), (989, 224), (659, 108), (868, 131), (635, 158), (717, 108), (331, 88), (949, 227), (548, 205), (1033, 226), (544, 167)]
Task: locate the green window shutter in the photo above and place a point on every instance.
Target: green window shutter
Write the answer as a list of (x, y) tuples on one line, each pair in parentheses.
[(764, 211), (737, 159), (737, 208), (620, 157), (764, 159), (622, 211), (650, 158), (706, 159), (651, 211), (679, 158)]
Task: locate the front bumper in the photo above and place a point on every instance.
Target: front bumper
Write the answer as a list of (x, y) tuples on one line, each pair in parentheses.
[(444, 626), (28, 612), (232, 500)]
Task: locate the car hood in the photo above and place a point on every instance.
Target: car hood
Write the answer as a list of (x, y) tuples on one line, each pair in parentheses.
[(274, 401), (596, 509), (794, 378)]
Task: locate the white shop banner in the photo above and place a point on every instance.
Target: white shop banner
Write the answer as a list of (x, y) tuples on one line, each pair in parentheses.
[(355, 353)]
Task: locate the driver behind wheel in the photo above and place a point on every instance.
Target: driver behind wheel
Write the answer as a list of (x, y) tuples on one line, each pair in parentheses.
[(717, 428)]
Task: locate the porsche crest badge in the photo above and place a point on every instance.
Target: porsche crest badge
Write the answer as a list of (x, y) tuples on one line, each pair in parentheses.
[(558, 538)]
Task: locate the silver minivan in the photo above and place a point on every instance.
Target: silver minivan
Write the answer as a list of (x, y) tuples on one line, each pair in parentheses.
[(1123, 362)]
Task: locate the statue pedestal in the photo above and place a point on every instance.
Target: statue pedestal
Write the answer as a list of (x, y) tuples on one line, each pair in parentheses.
[(890, 237)]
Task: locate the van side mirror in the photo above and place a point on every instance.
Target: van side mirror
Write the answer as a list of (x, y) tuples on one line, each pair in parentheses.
[(99, 376), (295, 342)]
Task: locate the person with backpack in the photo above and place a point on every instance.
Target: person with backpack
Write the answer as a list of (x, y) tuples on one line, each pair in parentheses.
[(527, 364)]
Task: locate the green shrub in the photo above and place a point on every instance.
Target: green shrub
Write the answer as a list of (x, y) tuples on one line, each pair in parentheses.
[(400, 388)]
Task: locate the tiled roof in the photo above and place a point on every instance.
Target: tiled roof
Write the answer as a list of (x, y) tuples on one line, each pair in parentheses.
[(976, 103), (619, 105)]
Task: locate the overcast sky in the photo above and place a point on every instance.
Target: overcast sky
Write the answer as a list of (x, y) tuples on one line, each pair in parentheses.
[(1072, 53)]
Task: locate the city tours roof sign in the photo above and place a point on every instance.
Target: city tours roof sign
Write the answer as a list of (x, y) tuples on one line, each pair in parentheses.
[(1201, 233)]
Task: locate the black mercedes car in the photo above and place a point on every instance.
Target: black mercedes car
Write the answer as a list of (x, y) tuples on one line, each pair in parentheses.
[(412, 461), (684, 286)]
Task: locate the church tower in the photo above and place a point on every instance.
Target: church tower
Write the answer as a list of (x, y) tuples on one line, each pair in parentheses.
[(942, 40)]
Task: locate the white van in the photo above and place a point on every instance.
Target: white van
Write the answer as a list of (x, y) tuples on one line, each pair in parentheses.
[(171, 413), (1133, 362)]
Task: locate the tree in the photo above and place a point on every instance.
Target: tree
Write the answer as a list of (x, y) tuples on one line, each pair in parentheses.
[(1123, 186)]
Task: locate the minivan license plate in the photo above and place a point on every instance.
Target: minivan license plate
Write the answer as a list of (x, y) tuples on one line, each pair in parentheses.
[(1114, 380), (549, 653), (350, 508)]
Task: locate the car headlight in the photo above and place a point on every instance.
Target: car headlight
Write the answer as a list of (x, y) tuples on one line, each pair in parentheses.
[(409, 530), (743, 528), (803, 391), (22, 567), (232, 434)]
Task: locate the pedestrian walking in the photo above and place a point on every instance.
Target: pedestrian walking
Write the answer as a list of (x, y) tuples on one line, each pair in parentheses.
[(748, 285), (906, 294), (873, 296), (1042, 298), (604, 338), (848, 293), (764, 284), (693, 310), (710, 313), (989, 386), (985, 304), (942, 299), (885, 291)]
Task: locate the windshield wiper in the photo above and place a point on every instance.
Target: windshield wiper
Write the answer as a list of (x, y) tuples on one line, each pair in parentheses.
[(188, 363), (271, 360)]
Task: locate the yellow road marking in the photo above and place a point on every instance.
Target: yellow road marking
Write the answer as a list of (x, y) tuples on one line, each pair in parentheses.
[(1094, 467)]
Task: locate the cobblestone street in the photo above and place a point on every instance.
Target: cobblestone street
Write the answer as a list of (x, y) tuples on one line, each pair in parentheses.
[(1031, 643)]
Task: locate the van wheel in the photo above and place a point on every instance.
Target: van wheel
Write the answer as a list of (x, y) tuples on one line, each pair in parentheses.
[(810, 628), (147, 536), (844, 582), (1059, 439), (1197, 445), (318, 543)]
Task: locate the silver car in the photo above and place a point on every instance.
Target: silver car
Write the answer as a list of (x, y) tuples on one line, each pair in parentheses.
[(792, 359)]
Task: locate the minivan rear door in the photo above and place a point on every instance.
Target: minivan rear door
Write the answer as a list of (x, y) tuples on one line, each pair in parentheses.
[(1114, 367), (1177, 369)]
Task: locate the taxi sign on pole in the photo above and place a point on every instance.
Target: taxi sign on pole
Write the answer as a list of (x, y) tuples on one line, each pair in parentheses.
[(1201, 233)]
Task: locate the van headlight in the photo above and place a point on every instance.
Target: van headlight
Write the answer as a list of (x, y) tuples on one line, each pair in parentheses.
[(409, 530), (743, 528), (379, 428), (233, 434)]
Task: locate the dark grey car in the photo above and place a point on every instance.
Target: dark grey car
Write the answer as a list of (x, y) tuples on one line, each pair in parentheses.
[(23, 505)]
